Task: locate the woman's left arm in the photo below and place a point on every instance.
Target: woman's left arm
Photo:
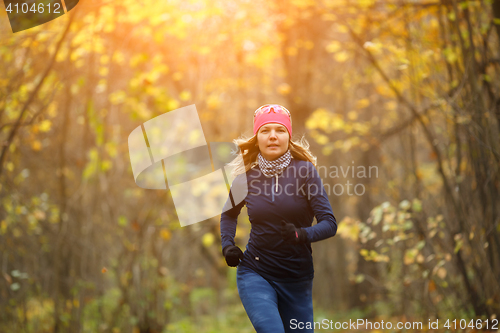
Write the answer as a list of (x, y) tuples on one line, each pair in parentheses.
[(318, 200)]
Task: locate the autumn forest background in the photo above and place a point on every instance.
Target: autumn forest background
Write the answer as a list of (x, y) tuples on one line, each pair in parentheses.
[(409, 87)]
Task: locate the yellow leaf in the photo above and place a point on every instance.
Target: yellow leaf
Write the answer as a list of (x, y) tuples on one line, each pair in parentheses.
[(365, 3), (51, 111), (328, 17), (99, 46), (104, 59), (165, 234), (384, 91), (327, 150), (346, 146), (410, 256), (172, 104), (106, 165), (118, 57), (319, 119), (375, 48), (341, 56), (109, 27), (361, 128), (117, 97), (349, 228), (333, 46), (204, 50), (322, 139), (103, 71), (425, 120), (62, 55), (302, 3), (79, 63), (284, 89), (381, 257), (337, 122), (207, 239), (136, 59), (213, 101), (45, 125), (392, 105), (36, 145), (342, 28), (362, 103), (185, 95)]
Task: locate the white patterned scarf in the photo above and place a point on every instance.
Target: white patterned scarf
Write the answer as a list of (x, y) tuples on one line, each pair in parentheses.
[(276, 167)]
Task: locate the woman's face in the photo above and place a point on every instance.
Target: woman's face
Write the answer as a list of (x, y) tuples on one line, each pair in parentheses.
[(273, 140)]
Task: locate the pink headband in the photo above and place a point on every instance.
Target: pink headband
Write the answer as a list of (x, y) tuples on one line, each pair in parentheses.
[(272, 113)]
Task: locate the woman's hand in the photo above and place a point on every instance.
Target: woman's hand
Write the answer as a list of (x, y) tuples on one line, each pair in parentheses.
[(292, 234), (233, 254)]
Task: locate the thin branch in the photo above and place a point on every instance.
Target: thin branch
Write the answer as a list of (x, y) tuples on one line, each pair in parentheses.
[(33, 94), (419, 117), (32, 120)]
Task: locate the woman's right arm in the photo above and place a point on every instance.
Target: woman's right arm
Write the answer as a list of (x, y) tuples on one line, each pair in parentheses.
[(228, 221)]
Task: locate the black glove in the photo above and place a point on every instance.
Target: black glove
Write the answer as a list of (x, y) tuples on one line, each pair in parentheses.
[(233, 255), (292, 234)]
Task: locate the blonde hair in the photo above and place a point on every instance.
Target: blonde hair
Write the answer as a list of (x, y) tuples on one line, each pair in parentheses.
[(247, 159)]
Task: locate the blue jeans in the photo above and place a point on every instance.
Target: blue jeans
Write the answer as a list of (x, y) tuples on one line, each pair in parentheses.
[(275, 307)]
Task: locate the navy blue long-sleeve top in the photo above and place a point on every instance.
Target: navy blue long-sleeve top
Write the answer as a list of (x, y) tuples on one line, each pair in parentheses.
[(298, 197)]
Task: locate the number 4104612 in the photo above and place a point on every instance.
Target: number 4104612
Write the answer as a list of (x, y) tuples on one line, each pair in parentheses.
[(40, 8), (478, 324)]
